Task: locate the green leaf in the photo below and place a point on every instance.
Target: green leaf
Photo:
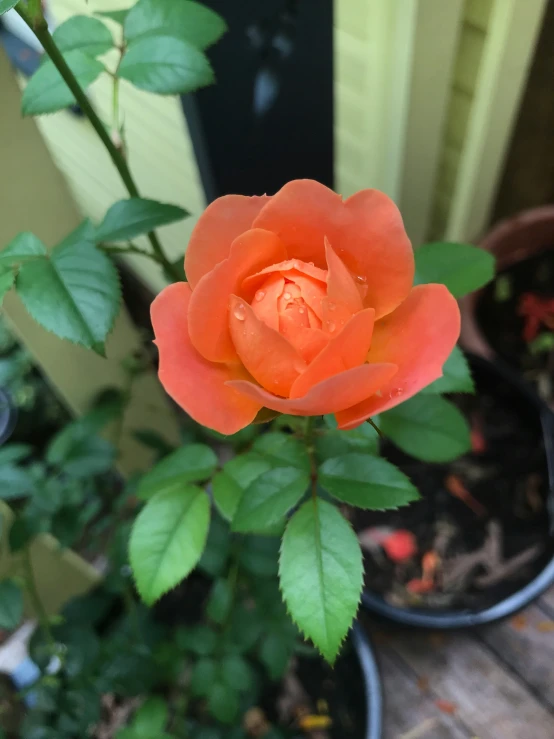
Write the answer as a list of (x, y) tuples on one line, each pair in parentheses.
[(366, 482), (456, 376), (118, 16), (75, 293), (167, 539), (11, 605), (333, 443), (427, 427), (135, 216), (85, 33), (150, 719), (190, 21), (23, 247), (47, 92), (237, 673), (191, 463), (275, 653), (228, 486), (165, 65), (203, 677), (7, 279), (461, 267), (223, 702), (321, 574), (14, 452), (220, 602), (269, 498), (259, 555), (6, 5), (15, 482), (201, 640), (283, 450), (79, 452)]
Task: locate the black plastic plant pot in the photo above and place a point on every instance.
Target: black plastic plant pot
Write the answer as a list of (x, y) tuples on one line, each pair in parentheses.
[(8, 416), (520, 444), (371, 681)]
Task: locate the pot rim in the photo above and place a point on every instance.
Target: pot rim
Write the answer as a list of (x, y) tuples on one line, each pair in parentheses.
[(462, 618), (8, 416), (372, 681)]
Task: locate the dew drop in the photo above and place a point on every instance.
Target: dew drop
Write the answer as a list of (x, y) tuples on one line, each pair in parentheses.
[(331, 326), (331, 306), (240, 312), (287, 296), (396, 392), (260, 295), (361, 278), (301, 309), (312, 264)]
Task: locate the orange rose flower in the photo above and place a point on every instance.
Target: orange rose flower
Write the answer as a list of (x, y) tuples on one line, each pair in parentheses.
[(301, 303)]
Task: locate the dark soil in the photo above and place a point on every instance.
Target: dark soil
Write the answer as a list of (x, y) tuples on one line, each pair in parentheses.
[(499, 318), (483, 517)]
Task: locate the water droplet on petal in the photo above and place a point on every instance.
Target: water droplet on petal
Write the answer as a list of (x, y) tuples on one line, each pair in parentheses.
[(396, 392), (287, 296), (361, 278), (260, 295), (301, 309), (331, 306), (240, 312), (331, 326), (312, 264)]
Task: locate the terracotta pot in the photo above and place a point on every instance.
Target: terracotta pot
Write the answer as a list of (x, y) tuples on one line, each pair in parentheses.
[(510, 241)]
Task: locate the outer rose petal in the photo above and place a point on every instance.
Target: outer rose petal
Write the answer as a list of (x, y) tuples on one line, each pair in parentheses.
[(219, 225), (329, 396), (347, 349), (209, 308), (418, 336), (366, 231), (267, 355), (341, 286), (195, 384)]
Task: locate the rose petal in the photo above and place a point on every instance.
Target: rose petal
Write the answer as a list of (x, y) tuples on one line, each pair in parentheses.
[(294, 266), (209, 306), (219, 225), (308, 342), (341, 286), (265, 306), (267, 355), (197, 385), (346, 350), (419, 337), (366, 231), (329, 396)]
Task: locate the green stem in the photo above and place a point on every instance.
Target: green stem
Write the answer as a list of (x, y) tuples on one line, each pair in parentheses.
[(309, 441), (129, 249), (34, 594), (40, 28)]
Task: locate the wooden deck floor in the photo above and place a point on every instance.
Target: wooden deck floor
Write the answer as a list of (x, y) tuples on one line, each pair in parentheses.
[(493, 683)]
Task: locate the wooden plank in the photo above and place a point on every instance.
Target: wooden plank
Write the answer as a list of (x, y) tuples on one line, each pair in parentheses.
[(488, 699), (525, 644), (546, 601), (410, 710)]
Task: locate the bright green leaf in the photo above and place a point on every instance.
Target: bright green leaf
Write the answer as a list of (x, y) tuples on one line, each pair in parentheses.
[(223, 702), (118, 16), (427, 427), (321, 574), (75, 293), (190, 21), (366, 482), (151, 718), (11, 604), (456, 376), (220, 601), (7, 279), (15, 482), (167, 539), (228, 486), (135, 216), (47, 92), (237, 673), (269, 498), (165, 65), (6, 5), (283, 450), (191, 463), (85, 33), (203, 677), (461, 267), (25, 246)]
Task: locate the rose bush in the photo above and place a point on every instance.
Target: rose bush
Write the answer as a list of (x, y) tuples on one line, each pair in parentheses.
[(301, 303)]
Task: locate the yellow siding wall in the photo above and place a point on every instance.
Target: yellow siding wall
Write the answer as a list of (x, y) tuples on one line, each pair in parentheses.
[(161, 155), (468, 58)]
